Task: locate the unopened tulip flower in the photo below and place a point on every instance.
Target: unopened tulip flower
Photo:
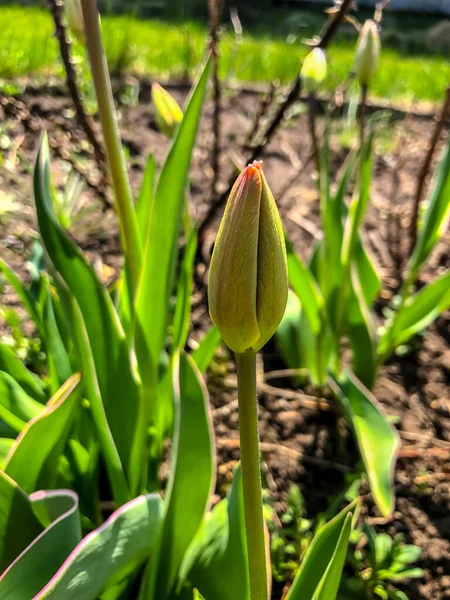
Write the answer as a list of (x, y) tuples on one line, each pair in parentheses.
[(248, 281), (314, 70), (247, 292), (168, 114), (367, 52), (74, 18)]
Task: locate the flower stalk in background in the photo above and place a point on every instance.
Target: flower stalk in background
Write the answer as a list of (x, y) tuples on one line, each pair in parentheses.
[(366, 62), (367, 52), (74, 17), (248, 286), (113, 145), (168, 114)]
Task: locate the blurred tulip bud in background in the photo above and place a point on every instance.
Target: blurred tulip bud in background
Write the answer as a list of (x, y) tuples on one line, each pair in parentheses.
[(74, 17), (248, 281), (168, 114), (367, 52), (314, 70)]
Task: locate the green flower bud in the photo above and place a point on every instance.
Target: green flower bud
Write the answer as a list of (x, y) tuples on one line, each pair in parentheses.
[(248, 281), (314, 70), (74, 18), (167, 112), (367, 52)]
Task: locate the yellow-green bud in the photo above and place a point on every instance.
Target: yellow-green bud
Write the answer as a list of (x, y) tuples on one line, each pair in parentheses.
[(168, 114), (74, 18), (314, 70), (367, 52), (248, 281)]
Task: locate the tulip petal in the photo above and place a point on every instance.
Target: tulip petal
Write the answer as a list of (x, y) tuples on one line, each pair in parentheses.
[(233, 273), (272, 287)]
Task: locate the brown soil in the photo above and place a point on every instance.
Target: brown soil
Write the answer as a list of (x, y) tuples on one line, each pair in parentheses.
[(299, 444)]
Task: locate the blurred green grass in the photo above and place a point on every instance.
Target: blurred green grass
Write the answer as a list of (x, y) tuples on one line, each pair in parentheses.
[(165, 50)]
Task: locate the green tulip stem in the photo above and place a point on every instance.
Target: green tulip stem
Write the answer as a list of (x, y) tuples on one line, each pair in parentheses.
[(251, 474), (113, 145)]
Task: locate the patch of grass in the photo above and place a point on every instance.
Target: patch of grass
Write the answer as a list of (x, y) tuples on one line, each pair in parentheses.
[(163, 49)]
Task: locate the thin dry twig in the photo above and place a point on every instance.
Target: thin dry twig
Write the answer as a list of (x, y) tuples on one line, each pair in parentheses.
[(56, 9), (336, 16)]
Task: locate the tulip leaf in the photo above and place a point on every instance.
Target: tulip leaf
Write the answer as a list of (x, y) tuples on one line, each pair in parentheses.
[(182, 316), (288, 337), (132, 529), (16, 406), (59, 363), (32, 385), (146, 198), (216, 562), (5, 447), (46, 552), (321, 569), (18, 523), (117, 385), (378, 441), (358, 206), (204, 353), (186, 499), (24, 295), (329, 584), (360, 331), (419, 311), (33, 459), (160, 257), (436, 216), (367, 273), (307, 290), (112, 459)]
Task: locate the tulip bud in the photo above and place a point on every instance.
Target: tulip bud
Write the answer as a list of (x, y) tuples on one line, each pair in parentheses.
[(248, 281), (314, 70), (74, 18), (367, 52), (167, 112)]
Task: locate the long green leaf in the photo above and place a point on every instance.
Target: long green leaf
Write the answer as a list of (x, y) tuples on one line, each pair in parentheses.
[(191, 479), (358, 206), (46, 552), (33, 459), (361, 333), (24, 296), (327, 547), (118, 388), (59, 363), (16, 406), (419, 311), (112, 459), (157, 281), (377, 440), (329, 584), (307, 290), (288, 333), (18, 523), (145, 200), (436, 216), (216, 562), (32, 385), (109, 553), (5, 447), (204, 353), (181, 319)]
